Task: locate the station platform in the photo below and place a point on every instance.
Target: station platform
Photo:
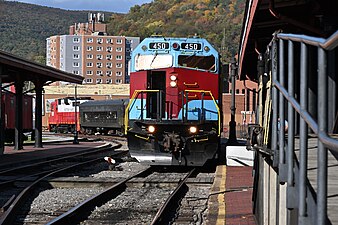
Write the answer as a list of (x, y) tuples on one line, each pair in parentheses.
[(29, 153), (230, 199)]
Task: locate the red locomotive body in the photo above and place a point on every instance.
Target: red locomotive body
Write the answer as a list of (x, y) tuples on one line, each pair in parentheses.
[(62, 116)]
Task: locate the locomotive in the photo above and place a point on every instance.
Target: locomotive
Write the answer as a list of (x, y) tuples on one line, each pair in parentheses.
[(93, 116), (62, 117), (174, 113)]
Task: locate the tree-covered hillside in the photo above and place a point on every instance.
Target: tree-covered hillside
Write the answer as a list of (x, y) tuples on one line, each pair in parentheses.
[(25, 27), (219, 21)]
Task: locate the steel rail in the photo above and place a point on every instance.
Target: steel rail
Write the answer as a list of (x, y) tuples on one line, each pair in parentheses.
[(163, 214), (75, 214), (85, 152)]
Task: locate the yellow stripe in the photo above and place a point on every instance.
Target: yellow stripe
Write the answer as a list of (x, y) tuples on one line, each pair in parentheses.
[(221, 198)]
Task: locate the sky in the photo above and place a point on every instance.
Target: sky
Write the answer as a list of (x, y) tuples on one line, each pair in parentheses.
[(120, 6)]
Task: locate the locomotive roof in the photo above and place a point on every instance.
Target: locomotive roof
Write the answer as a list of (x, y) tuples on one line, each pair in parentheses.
[(164, 52), (105, 102), (145, 46)]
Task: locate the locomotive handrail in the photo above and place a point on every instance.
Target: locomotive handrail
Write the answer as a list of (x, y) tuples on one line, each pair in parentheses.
[(218, 111), (126, 113), (137, 92)]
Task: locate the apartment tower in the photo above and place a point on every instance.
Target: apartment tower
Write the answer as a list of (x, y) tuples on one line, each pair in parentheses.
[(88, 51)]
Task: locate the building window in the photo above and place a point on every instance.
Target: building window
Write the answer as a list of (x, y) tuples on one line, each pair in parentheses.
[(76, 40), (89, 40), (119, 49), (109, 49), (76, 56), (98, 80), (99, 57), (119, 41), (118, 65), (108, 73), (99, 65), (109, 81), (89, 72), (89, 56), (100, 40), (76, 48), (89, 80), (99, 48), (76, 64), (118, 73), (109, 57), (89, 48), (89, 64), (109, 64), (99, 72), (118, 81), (109, 41)]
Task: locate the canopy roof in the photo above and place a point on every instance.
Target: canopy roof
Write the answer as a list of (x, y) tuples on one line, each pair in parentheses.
[(264, 17), (14, 68)]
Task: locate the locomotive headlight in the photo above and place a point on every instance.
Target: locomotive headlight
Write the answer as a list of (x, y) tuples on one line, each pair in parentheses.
[(173, 77), (173, 83), (193, 129), (151, 129)]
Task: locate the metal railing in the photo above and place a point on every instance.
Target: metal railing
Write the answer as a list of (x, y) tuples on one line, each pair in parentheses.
[(286, 91)]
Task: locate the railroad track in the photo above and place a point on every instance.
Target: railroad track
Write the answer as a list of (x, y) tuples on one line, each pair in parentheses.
[(18, 183), (147, 197), (132, 199)]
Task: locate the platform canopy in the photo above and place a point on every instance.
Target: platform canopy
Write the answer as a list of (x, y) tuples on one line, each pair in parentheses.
[(14, 68), (264, 17)]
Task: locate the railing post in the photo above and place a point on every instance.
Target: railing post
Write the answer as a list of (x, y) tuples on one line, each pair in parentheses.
[(303, 153), (282, 167), (291, 200), (274, 104), (322, 151)]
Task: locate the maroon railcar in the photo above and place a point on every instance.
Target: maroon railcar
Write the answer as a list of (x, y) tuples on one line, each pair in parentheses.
[(8, 112)]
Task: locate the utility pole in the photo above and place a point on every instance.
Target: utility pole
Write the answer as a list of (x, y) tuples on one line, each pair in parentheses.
[(76, 140), (232, 123)]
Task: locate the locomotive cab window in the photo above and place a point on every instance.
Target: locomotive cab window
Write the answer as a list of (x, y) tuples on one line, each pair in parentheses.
[(197, 62)]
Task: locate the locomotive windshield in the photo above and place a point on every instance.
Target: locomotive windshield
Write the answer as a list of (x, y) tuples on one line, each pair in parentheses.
[(197, 62), (156, 61)]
